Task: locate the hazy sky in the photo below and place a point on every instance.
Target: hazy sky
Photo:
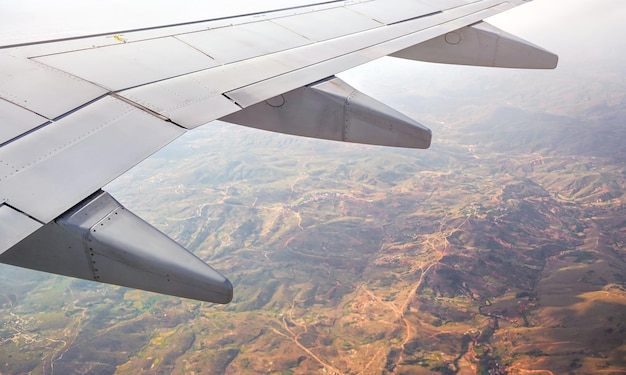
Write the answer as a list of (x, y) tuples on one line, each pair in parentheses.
[(573, 28)]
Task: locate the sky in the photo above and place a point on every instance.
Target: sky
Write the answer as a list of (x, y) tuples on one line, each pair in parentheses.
[(572, 29)]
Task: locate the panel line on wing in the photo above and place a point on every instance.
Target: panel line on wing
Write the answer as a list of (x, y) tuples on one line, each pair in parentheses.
[(235, 43), (177, 37), (389, 12), (26, 44), (126, 65), (54, 139), (16, 209), (17, 120), (141, 107), (49, 122), (340, 21), (415, 18), (14, 226), (42, 89)]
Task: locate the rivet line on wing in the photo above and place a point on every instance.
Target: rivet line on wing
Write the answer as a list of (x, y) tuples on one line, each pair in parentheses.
[(67, 143)]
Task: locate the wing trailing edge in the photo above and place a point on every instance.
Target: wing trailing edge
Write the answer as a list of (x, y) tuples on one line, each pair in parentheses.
[(331, 109), (100, 240), (481, 44)]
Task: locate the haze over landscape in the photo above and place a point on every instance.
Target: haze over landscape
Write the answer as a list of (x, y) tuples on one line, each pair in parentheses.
[(499, 250)]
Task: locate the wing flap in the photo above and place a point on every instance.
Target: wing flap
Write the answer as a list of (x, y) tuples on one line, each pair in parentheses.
[(75, 156), (14, 227)]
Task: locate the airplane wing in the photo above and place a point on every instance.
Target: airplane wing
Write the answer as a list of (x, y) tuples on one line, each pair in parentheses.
[(77, 112)]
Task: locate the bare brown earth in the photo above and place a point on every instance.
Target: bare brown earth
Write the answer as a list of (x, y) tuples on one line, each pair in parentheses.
[(501, 250)]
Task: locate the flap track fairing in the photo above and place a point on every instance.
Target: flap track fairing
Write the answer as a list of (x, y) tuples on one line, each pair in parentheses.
[(331, 109), (481, 44), (102, 241)]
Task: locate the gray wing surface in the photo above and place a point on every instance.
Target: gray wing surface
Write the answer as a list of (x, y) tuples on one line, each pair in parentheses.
[(78, 112)]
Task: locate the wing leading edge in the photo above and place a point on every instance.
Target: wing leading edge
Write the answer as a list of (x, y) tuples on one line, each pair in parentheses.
[(78, 112)]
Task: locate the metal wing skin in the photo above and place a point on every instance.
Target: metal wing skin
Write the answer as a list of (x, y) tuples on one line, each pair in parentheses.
[(76, 112)]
